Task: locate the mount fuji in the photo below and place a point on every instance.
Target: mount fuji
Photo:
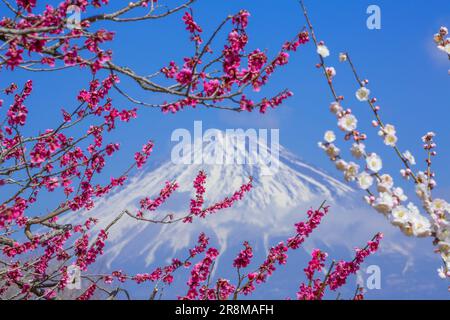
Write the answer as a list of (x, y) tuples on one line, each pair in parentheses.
[(276, 201)]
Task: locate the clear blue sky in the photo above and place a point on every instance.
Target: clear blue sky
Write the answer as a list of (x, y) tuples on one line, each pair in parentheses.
[(407, 74)]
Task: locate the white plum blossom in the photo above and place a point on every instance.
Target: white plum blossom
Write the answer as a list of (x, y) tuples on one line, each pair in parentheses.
[(365, 180), (335, 107), (443, 273), (421, 226), (348, 123), (444, 245), (342, 57), (369, 199), (445, 48), (358, 150), (341, 165), (399, 193), (390, 140), (387, 181), (385, 197), (445, 255), (409, 157), (411, 221), (374, 162), (428, 136), (439, 205), (422, 176), (362, 94), (443, 234), (437, 38), (331, 71), (389, 134), (404, 174), (330, 149), (422, 191), (387, 129), (400, 216), (351, 171), (323, 51), (413, 209), (329, 136), (384, 203)]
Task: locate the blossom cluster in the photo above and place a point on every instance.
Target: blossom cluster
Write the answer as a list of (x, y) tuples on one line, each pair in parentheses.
[(203, 285), (443, 41), (84, 253), (312, 289), (162, 275), (278, 253), (337, 274), (59, 43), (197, 208), (148, 204), (240, 68), (382, 193), (192, 27), (52, 25), (244, 257), (200, 273), (196, 205)]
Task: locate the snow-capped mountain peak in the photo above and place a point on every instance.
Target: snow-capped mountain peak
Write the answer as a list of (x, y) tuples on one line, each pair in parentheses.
[(268, 209)]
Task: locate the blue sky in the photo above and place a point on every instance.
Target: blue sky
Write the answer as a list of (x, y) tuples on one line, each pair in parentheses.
[(407, 74)]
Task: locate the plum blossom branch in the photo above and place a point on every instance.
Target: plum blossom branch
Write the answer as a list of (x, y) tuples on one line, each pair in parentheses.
[(45, 35), (200, 284), (388, 199)]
